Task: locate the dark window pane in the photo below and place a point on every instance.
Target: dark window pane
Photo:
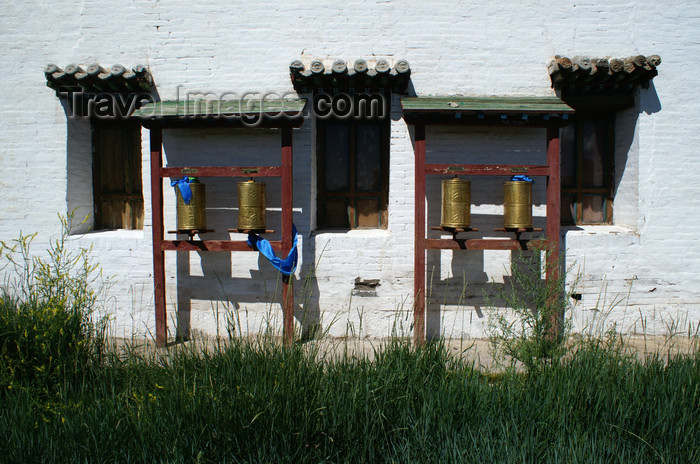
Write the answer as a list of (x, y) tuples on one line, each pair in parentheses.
[(568, 156), (586, 167), (336, 152), (352, 167), (117, 176), (593, 209), (368, 159), (593, 154), (568, 209), (335, 213), (367, 211)]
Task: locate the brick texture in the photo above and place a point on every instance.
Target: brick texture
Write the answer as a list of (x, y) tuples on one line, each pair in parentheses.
[(640, 273)]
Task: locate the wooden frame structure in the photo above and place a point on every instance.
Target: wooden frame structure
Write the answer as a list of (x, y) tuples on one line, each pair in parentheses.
[(547, 112), (282, 114)]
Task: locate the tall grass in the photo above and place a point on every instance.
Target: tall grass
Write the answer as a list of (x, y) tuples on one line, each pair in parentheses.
[(260, 402), (47, 329), (256, 401)]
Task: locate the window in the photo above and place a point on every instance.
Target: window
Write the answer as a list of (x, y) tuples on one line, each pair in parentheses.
[(353, 173), (116, 175), (587, 146)]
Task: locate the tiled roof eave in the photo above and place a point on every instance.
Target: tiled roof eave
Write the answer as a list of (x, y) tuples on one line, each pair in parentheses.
[(359, 76), (586, 75), (95, 79)]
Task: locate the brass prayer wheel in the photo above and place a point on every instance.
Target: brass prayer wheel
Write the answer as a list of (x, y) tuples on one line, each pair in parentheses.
[(192, 216), (251, 205), (517, 204), (456, 203)]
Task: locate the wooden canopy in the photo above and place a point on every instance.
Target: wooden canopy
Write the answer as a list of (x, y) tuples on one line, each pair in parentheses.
[(251, 112), (459, 109)]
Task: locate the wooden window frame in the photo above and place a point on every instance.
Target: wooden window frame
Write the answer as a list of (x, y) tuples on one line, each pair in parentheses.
[(606, 190), (132, 196), (352, 194)]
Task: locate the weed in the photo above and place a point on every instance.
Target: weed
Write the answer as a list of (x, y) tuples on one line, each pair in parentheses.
[(46, 326), (536, 334)]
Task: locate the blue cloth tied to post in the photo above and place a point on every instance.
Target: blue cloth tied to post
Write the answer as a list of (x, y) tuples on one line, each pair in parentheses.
[(184, 185), (286, 266), (521, 178)]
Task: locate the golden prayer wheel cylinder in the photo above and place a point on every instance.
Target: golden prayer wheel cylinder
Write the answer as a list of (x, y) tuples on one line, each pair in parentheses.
[(456, 203), (517, 204), (192, 216), (251, 205)]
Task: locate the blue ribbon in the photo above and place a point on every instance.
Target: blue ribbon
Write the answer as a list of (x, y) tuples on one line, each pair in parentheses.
[(286, 266), (185, 190), (521, 178)]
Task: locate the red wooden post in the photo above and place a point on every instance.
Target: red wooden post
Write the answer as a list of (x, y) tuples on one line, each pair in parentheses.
[(553, 210), (553, 193), (419, 239), (287, 239), (157, 220)]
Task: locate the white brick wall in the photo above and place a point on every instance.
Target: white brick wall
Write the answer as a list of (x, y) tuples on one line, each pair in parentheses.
[(480, 48)]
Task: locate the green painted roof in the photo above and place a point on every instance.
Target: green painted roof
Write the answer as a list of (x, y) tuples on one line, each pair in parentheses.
[(173, 109), (485, 104)]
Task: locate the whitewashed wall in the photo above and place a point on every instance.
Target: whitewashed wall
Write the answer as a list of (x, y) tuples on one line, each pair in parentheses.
[(648, 258)]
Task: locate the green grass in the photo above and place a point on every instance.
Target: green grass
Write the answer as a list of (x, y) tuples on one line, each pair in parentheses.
[(64, 399), (265, 403)]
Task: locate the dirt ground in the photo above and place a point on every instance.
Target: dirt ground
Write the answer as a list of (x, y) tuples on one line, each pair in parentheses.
[(477, 351)]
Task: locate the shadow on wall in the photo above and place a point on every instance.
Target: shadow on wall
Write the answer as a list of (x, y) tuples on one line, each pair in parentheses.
[(235, 279), (237, 285), (649, 102), (79, 188), (464, 280), (626, 157)]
